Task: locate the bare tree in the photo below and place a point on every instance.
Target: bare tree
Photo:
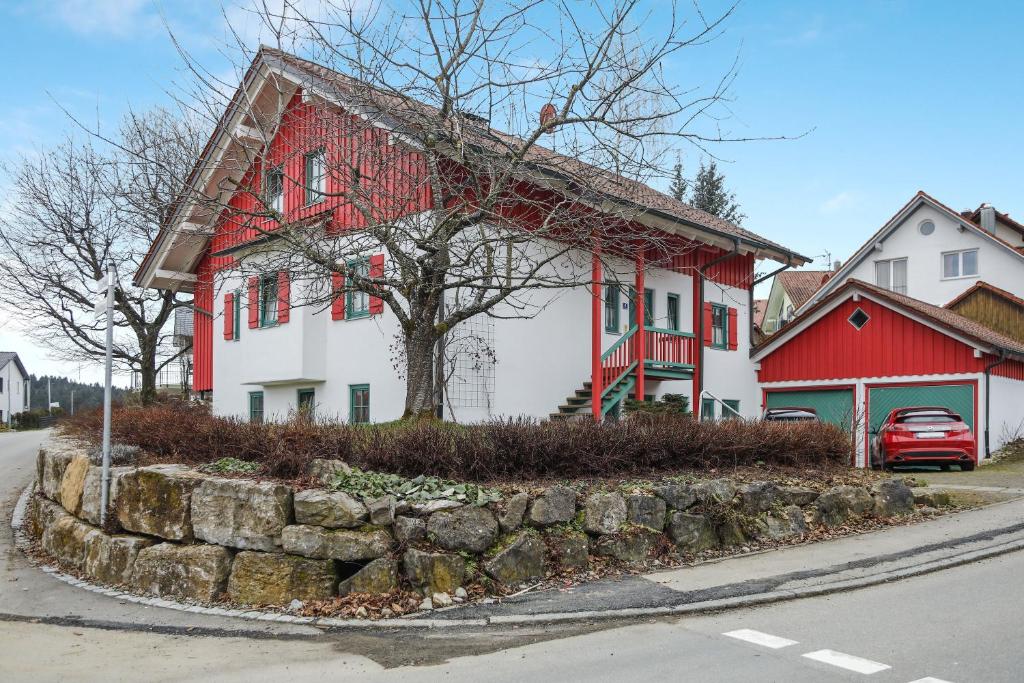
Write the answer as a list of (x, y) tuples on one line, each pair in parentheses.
[(75, 211), (435, 153)]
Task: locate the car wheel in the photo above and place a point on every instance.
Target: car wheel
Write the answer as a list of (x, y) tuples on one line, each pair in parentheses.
[(967, 466)]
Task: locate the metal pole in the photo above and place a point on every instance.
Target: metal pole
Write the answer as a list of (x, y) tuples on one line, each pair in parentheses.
[(72, 401), (105, 480)]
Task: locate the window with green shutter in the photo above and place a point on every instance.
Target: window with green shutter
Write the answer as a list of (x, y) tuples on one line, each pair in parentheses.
[(672, 312), (611, 308), (236, 304), (707, 409), (316, 176), (306, 402), (359, 403), (268, 300), (256, 406), (719, 326), (357, 304)]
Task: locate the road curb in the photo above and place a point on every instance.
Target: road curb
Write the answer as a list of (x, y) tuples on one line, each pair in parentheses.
[(413, 623)]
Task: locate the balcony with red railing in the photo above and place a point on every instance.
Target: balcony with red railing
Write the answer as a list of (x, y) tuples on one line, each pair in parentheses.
[(668, 354)]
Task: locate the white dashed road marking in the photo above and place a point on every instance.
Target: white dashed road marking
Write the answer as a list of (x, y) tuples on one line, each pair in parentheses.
[(759, 638), (848, 662), (930, 679)]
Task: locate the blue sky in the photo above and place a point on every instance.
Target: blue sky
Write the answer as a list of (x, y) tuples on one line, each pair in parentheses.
[(893, 97)]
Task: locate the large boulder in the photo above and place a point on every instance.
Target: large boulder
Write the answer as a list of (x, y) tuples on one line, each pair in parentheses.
[(53, 459), (511, 518), (334, 510), (519, 561), (633, 546), (91, 492), (239, 513), (382, 510), (340, 544), (379, 576), (66, 540), (556, 505), (716, 491), (277, 579), (111, 559), (758, 497), (468, 528), (157, 501), (568, 549), (839, 503), (784, 524), (325, 471), (73, 483), (648, 511), (410, 529), (192, 572), (932, 498), (604, 513), (892, 497), (798, 495), (730, 532), (41, 513), (677, 496), (433, 572), (691, 533)]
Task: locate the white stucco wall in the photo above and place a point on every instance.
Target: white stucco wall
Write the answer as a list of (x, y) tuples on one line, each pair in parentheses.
[(1006, 420), (996, 264), (14, 396), (729, 375)]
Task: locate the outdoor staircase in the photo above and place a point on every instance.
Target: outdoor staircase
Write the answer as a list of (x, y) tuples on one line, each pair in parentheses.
[(668, 355)]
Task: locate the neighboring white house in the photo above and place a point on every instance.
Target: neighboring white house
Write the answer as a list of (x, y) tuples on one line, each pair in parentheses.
[(932, 253), (790, 290), (14, 386)]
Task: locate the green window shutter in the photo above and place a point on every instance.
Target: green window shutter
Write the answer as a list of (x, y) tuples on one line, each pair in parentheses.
[(256, 406), (611, 308), (359, 403), (672, 312)]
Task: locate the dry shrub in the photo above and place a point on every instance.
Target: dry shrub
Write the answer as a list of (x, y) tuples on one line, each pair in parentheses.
[(500, 449)]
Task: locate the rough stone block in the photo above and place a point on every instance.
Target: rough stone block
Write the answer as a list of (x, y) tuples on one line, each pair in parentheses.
[(839, 503), (555, 506), (511, 518), (342, 544), (410, 529), (758, 497), (192, 572), (677, 496), (333, 510), (277, 579), (648, 511), (157, 501), (892, 497), (633, 546), (379, 576), (72, 484), (604, 513), (468, 528), (569, 549), (382, 511), (91, 492), (522, 560), (798, 495), (241, 514), (66, 538), (691, 533), (324, 471), (720, 491), (433, 572), (55, 460), (789, 522), (111, 559)]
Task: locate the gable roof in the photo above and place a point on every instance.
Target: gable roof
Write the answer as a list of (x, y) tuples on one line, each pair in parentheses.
[(981, 285), (890, 227), (7, 356), (760, 307), (552, 164), (945, 320), (800, 285)]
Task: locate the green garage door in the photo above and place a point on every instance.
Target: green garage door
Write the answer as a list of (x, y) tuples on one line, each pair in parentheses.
[(956, 397), (832, 405)]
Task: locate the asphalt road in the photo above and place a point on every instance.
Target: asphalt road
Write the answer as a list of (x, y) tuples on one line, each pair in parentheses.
[(962, 624)]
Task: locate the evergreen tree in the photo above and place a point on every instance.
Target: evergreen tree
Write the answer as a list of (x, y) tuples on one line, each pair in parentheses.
[(679, 184), (87, 396), (710, 194)]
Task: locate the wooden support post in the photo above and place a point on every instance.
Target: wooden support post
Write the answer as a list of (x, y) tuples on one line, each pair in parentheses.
[(596, 310), (641, 316)]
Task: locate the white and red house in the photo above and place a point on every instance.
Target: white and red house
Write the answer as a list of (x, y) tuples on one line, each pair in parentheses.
[(260, 355), (862, 350)]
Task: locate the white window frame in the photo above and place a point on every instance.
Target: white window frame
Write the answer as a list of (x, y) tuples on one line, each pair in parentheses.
[(889, 263), (959, 253)]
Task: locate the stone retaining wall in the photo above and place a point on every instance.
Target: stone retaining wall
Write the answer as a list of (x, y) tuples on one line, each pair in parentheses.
[(176, 532)]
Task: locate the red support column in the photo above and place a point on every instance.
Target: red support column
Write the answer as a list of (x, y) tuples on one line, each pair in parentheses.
[(641, 347), (698, 340), (596, 309)]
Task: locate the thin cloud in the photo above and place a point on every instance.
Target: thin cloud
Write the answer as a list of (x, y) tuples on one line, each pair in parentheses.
[(838, 202), (120, 18)]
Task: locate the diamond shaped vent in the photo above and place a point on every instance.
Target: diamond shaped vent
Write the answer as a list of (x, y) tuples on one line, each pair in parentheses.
[(859, 319)]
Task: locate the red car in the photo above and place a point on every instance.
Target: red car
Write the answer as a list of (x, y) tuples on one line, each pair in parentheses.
[(924, 435)]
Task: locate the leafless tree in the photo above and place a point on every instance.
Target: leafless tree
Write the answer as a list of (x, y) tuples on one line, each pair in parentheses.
[(436, 153), (76, 210)]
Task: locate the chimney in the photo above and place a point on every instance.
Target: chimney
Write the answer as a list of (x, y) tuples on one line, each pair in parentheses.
[(836, 266), (988, 218)]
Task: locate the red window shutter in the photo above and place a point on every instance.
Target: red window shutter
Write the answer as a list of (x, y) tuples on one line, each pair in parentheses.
[(733, 329), (707, 325), (338, 302), (254, 302), (376, 270), (284, 296), (229, 316)]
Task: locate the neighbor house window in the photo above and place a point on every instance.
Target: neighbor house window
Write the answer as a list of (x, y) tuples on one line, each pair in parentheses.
[(719, 326), (255, 406), (273, 183), (357, 304), (892, 275), (268, 300), (1, 385), (960, 263), (729, 414), (672, 312), (611, 308), (307, 401), (316, 176), (359, 403), (648, 307)]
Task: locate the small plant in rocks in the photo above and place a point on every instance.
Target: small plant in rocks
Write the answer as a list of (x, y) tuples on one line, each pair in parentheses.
[(120, 454), (421, 489), (231, 466)]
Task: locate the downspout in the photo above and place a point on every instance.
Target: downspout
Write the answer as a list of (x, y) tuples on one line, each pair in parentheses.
[(988, 393), (698, 375)]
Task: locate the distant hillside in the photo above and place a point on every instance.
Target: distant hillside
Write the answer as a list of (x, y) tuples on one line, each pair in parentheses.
[(86, 395)]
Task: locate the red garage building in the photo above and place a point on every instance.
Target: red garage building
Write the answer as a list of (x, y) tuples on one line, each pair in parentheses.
[(863, 351)]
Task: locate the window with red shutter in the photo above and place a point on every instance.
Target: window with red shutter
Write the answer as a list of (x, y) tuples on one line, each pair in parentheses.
[(338, 300), (733, 328), (376, 270), (707, 324), (284, 293), (254, 302), (229, 316)]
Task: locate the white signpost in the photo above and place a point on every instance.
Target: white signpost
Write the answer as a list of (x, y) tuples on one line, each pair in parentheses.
[(104, 290)]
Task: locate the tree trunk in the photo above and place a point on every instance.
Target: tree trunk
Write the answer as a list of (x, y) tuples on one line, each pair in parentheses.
[(420, 397), (147, 372)]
